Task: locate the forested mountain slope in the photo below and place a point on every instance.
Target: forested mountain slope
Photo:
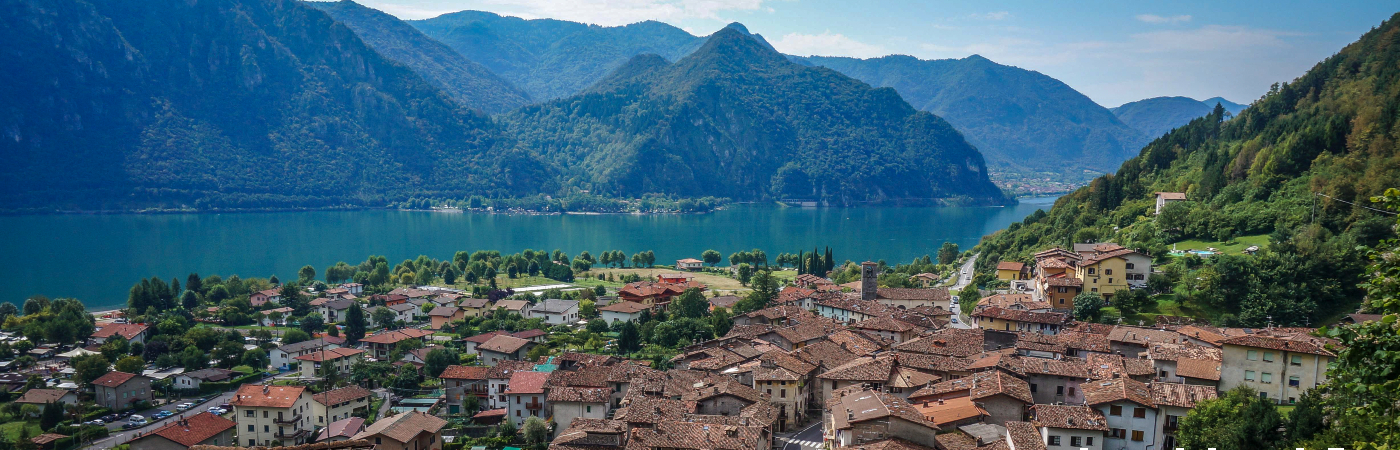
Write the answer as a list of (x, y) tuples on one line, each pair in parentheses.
[(549, 58), (1298, 165), (243, 103), (737, 119), (470, 84), (1020, 119)]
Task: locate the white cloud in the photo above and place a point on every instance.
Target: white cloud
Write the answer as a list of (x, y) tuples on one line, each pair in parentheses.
[(827, 44), (997, 15), (1153, 18)]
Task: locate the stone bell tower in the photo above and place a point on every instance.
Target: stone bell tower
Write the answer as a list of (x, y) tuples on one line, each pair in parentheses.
[(869, 272)]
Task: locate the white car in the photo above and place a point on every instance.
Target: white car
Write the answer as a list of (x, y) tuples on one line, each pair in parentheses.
[(183, 406)]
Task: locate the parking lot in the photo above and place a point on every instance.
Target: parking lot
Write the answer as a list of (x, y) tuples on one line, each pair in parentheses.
[(120, 435)]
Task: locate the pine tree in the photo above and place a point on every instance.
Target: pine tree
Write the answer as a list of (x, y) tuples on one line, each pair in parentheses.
[(828, 263), (355, 324)]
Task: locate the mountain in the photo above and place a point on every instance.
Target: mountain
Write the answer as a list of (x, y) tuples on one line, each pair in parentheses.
[(1156, 116), (548, 58), (737, 119), (231, 104), (1297, 168), (1230, 107), (470, 84), (1021, 120)]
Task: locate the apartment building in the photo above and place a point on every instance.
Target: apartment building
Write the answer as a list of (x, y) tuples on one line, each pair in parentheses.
[(273, 415)]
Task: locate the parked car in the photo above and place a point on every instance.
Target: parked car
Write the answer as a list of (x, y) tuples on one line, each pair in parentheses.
[(183, 406), (218, 411), (97, 422), (111, 417), (225, 405), (162, 414)]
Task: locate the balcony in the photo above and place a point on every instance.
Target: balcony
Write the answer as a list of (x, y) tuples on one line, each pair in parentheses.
[(290, 435), (294, 419), (481, 391), (534, 406)]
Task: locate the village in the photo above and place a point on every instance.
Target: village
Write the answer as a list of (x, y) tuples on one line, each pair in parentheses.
[(819, 366)]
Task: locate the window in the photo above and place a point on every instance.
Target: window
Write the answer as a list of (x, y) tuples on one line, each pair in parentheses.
[(1091, 271), (1059, 390), (782, 393), (267, 429), (264, 414), (1108, 272), (1054, 440), (1266, 377), (588, 408), (1074, 441), (1163, 374), (252, 443), (517, 413), (1293, 381), (1110, 280), (770, 392), (1251, 355), (1297, 360), (1115, 410), (1268, 356), (1089, 441), (250, 413), (1033, 388), (1137, 435), (1249, 375), (1071, 391), (251, 429), (1139, 412), (1117, 433), (1130, 266)]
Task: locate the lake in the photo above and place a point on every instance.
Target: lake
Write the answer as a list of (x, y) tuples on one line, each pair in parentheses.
[(97, 258)]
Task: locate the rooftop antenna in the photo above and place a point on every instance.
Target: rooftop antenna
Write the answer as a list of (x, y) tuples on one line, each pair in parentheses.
[(1271, 321)]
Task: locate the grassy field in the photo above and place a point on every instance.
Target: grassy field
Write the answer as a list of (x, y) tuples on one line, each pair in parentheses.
[(11, 430), (1166, 306), (1234, 246)]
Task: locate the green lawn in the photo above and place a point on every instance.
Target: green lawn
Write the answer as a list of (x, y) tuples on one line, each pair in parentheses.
[(1234, 246), (1166, 306), (11, 430), (1284, 410)]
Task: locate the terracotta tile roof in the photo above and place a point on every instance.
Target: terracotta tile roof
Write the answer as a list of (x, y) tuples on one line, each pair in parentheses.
[(947, 411), (644, 289), (986, 384), (1092, 328), (1173, 352), (527, 383), (474, 302), (1010, 300), (1005, 359), (585, 433), (194, 430), (625, 307), (956, 440), (113, 379), (1212, 336), (858, 406), (483, 337), (529, 334), (690, 435), (825, 353), (513, 305), (403, 427), (889, 444), (444, 311), (332, 354), (1203, 369), (1053, 318), (789, 362), (1181, 395), (930, 310), (1088, 342), (1100, 256), (1011, 265), (1064, 367), (865, 368), (342, 395), (42, 396), (1281, 344), (345, 428), (583, 376), (948, 341), (46, 438), (393, 337), (503, 370), (267, 396), (579, 394), (1142, 336), (858, 343), (883, 324), (715, 386), (1054, 263), (1119, 389), (1172, 195), (933, 363), (1024, 436), (1106, 366), (1074, 417), (1026, 340), (503, 344), (128, 331), (934, 294), (791, 312)]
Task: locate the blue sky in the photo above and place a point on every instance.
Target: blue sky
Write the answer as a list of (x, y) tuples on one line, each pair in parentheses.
[(1114, 52)]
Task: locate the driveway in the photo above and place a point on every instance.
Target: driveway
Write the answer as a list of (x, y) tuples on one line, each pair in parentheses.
[(807, 439), (120, 436)]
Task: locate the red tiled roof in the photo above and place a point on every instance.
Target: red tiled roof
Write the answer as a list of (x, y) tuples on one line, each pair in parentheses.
[(1011, 265), (527, 383), (1024, 436), (267, 396), (125, 330), (342, 395), (393, 337), (332, 354), (1076, 417), (455, 372), (1181, 395), (1022, 316), (625, 307), (503, 344), (113, 379), (195, 429), (1118, 389)]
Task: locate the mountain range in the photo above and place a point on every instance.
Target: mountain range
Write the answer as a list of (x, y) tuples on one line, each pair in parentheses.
[(1158, 115), (242, 104)]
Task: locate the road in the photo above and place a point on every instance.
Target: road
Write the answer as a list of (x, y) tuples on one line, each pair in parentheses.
[(964, 275), (121, 436), (809, 438)]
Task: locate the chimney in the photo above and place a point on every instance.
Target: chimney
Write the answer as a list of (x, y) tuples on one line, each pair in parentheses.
[(868, 276), (940, 401)]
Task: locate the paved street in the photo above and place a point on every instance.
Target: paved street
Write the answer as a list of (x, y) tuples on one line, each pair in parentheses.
[(120, 436), (964, 275), (809, 438)]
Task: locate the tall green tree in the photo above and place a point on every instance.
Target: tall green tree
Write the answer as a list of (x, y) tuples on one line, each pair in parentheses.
[(306, 275), (948, 253), (692, 303), (628, 339), (1238, 420), (710, 257), (1088, 307)]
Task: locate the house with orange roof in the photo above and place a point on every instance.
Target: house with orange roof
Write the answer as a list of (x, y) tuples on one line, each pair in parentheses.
[(1107, 267), (264, 297), (340, 404), (1130, 411), (860, 417), (267, 414), (691, 264), (200, 429), (461, 381), (408, 431), (132, 332), (1011, 271), (324, 363), (120, 390), (380, 344), (525, 395)]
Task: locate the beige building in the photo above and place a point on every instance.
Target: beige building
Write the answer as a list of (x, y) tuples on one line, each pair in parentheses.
[(1280, 365), (407, 431), (273, 415), (855, 417), (1069, 427), (337, 361), (340, 404), (200, 429), (120, 390)]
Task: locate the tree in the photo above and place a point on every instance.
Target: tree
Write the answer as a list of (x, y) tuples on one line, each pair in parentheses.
[(535, 431), (471, 404), (384, 317), (1238, 420), (597, 326), (35, 304), (312, 323), (256, 358), (228, 353), (628, 340), (1088, 307), (692, 303), (438, 360), (52, 415), (745, 273), (765, 289), (1131, 301), (306, 274), (1159, 283), (710, 257), (89, 367), (506, 429), (7, 310), (948, 253), (355, 324), (131, 364), (295, 336)]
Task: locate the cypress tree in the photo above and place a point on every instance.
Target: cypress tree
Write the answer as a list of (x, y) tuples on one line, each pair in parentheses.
[(829, 263)]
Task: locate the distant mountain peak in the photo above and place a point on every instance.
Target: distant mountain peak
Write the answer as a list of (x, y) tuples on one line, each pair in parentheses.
[(737, 27)]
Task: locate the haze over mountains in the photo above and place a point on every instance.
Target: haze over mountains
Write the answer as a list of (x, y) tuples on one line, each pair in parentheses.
[(1158, 115)]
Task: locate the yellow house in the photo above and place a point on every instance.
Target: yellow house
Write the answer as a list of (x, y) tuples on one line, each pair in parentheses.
[(1003, 319), (475, 307), (1104, 273), (1011, 271)]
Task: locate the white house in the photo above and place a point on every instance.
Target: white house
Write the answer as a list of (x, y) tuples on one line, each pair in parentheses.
[(1128, 408), (1163, 198), (555, 312), (623, 311), (284, 355)]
